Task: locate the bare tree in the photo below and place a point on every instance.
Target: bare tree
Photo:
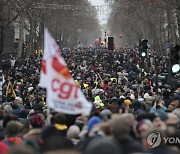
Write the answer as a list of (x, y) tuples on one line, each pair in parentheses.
[(155, 20)]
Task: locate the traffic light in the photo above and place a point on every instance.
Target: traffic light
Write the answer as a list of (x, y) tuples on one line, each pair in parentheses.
[(175, 60), (143, 48)]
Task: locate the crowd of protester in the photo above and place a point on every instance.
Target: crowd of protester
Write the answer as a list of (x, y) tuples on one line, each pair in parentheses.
[(127, 106)]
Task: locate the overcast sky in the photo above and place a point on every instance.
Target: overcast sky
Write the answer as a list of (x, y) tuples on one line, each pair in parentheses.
[(102, 18), (97, 2)]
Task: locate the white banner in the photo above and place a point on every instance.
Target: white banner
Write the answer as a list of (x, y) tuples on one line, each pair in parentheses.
[(63, 94)]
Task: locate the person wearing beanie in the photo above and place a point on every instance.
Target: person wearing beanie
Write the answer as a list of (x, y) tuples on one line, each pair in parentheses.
[(60, 124), (106, 114), (36, 123), (12, 131), (146, 96), (127, 102), (92, 122)]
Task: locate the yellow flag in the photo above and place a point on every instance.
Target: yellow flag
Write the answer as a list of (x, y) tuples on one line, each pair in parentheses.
[(10, 90)]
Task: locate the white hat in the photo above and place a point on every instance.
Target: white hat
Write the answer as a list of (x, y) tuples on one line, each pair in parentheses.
[(140, 99), (18, 98), (30, 89), (132, 96), (97, 104), (122, 97), (146, 95)]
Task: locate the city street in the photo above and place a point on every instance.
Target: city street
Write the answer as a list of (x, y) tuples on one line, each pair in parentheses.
[(90, 77)]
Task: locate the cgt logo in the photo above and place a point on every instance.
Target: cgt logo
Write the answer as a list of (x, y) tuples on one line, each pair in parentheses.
[(154, 139), (60, 68)]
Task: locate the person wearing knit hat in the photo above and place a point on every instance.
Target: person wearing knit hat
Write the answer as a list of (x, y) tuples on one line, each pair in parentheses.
[(127, 102), (146, 95), (36, 121), (34, 133), (60, 123), (106, 114), (92, 122)]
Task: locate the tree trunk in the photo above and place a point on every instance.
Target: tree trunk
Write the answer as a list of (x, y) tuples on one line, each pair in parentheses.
[(21, 35)]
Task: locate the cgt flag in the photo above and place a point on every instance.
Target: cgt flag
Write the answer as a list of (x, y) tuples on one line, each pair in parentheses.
[(63, 94)]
